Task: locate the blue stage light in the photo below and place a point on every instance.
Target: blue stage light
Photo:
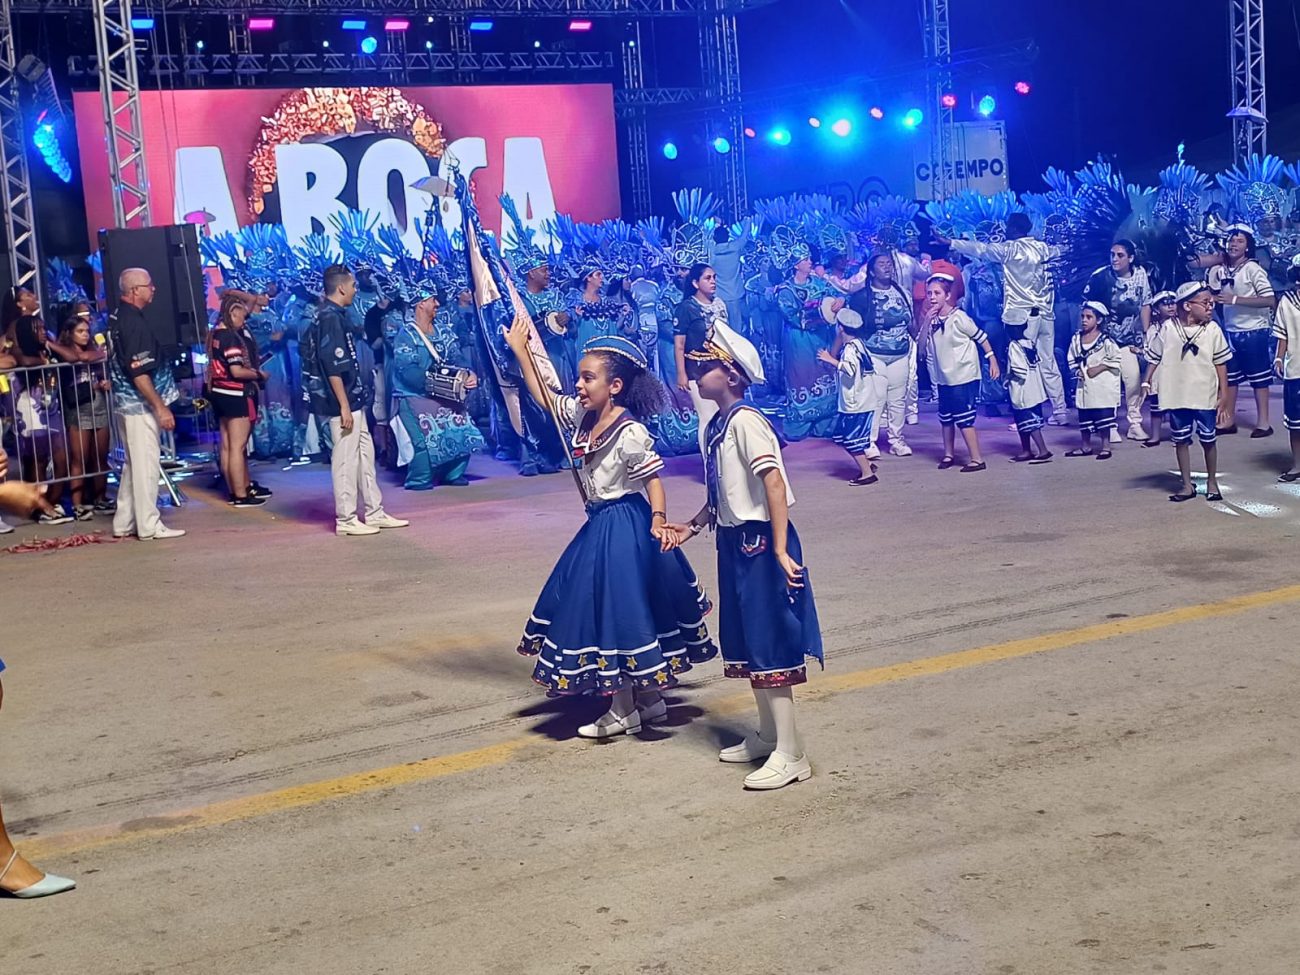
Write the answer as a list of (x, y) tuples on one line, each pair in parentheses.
[(913, 118), (842, 127), (780, 136), (480, 25), (142, 23), (46, 139), (670, 150), (369, 45), (987, 105), (354, 25), (721, 145)]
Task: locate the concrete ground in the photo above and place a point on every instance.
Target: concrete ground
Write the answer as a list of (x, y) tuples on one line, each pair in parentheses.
[(1056, 733)]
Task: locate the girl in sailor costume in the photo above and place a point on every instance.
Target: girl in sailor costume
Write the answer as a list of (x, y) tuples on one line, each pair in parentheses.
[(768, 621), (622, 614)]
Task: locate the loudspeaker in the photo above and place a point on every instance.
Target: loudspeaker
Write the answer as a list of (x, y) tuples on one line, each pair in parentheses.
[(179, 313)]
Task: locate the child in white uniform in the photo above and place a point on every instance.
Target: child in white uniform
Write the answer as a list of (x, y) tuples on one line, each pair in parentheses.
[(1192, 355), (1286, 327), (1095, 361), (859, 394), (768, 619), (1164, 307), (1028, 394), (954, 362)]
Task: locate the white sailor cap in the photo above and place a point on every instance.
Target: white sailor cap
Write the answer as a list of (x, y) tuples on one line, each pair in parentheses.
[(1239, 228), (849, 320), (735, 350), (1101, 310), (1189, 290), (1162, 296), (940, 276)]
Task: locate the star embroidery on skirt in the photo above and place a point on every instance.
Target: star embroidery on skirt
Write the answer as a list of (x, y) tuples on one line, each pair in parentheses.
[(661, 677), (582, 660), (675, 663), (602, 663), (631, 662), (562, 683)]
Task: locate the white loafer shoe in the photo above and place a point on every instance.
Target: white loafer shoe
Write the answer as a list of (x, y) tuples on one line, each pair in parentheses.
[(779, 770), (163, 532), (752, 749), (387, 521), (355, 528), (609, 725), (653, 712)]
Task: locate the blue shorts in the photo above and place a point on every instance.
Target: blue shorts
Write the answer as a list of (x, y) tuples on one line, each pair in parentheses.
[(1252, 360), (1182, 422), (852, 431), (1027, 421), (957, 404), (1097, 420), (1291, 404)]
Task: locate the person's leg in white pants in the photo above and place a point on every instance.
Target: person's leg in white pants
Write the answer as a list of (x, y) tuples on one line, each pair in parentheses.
[(371, 497), (894, 410), (1130, 373), (1048, 366), (137, 489), (706, 409), (345, 464), (913, 394)]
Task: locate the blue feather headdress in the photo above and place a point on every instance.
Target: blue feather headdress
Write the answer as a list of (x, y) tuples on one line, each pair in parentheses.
[(61, 286)]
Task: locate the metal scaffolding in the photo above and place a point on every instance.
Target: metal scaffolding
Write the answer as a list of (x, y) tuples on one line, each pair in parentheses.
[(720, 61), (15, 185), (628, 9), (1246, 56), (119, 88), (634, 126), (938, 56)]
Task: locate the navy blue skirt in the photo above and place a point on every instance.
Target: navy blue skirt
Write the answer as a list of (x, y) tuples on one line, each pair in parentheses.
[(766, 629), (616, 612)]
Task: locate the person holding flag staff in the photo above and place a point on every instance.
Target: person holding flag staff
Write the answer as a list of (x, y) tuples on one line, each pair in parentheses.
[(622, 614)]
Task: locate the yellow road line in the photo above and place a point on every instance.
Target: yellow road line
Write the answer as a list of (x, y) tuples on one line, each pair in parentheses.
[(279, 800)]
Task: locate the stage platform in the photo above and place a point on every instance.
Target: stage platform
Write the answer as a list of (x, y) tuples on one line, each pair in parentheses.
[(1055, 734)]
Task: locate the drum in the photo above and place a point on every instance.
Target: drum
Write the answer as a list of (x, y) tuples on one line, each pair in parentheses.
[(447, 383)]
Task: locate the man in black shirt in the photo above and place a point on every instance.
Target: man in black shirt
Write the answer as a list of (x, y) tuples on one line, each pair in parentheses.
[(143, 391), (336, 389)]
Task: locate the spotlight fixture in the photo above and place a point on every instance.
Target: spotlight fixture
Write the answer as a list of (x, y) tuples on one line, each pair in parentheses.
[(428, 45), (396, 24), (142, 23), (815, 122), (721, 145), (948, 100), (842, 127), (261, 23), (750, 134), (780, 136), (1023, 88), (369, 45), (325, 44), (579, 26), (877, 112), (670, 150), (913, 118), (199, 45), (987, 105), (354, 25), (482, 26), (537, 45)]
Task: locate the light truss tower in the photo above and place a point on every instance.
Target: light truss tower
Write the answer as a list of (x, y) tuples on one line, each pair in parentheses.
[(938, 56), (1246, 55), (720, 57), (638, 141), (119, 89), (15, 186)]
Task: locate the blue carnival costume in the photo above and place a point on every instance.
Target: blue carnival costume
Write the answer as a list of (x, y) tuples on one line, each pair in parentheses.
[(616, 612)]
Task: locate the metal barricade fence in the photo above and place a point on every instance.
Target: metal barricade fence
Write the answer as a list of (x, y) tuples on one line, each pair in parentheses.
[(58, 426)]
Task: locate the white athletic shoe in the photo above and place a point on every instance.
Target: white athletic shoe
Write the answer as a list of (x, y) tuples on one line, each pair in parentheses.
[(1136, 432), (900, 449), (163, 532), (1058, 419), (385, 520), (1114, 435), (5, 529), (779, 770), (354, 527), (751, 749)]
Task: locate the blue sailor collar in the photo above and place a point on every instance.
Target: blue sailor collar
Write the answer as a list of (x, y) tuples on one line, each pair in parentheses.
[(584, 447)]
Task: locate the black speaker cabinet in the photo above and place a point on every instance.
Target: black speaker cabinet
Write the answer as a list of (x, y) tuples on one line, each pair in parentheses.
[(179, 313)]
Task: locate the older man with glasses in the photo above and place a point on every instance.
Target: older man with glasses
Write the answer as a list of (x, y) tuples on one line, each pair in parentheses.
[(143, 389)]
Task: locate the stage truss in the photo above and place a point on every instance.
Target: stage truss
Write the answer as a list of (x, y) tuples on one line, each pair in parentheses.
[(938, 56), (1246, 59), (119, 89), (15, 182)]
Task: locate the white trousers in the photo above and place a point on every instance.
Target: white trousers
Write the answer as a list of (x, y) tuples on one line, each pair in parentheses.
[(1130, 374), (913, 391), (352, 467), (706, 409), (893, 411), (1045, 342), (137, 487)]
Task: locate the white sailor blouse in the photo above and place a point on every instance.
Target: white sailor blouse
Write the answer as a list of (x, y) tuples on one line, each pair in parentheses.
[(742, 448), (617, 462)]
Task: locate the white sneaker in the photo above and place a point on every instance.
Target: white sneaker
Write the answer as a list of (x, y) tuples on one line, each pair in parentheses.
[(900, 449), (1058, 419), (1114, 435), (1136, 432), (608, 725), (779, 770), (912, 419), (354, 527), (163, 532), (872, 453), (751, 749), (60, 517), (385, 520), (5, 529)]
